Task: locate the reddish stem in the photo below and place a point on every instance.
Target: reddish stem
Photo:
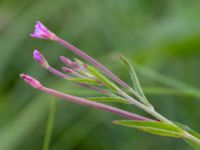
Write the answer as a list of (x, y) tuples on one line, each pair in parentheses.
[(96, 105), (88, 58)]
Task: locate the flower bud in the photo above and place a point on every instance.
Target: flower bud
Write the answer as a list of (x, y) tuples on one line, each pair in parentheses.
[(67, 70), (40, 59), (68, 62), (31, 81)]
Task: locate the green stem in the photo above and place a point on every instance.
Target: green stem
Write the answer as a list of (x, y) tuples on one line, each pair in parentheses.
[(190, 137), (185, 134), (48, 134), (154, 113)]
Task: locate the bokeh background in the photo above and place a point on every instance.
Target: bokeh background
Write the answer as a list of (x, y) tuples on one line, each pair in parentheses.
[(160, 37)]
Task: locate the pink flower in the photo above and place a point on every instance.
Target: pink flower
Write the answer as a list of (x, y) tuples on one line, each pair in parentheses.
[(42, 32), (40, 59), (31, 81)]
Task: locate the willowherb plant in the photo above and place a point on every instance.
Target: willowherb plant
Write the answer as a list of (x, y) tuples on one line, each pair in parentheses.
[(97, 77)]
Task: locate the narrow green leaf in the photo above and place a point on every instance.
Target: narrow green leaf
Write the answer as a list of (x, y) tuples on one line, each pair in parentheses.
[(108, 99), (136, 83), (102, 78), (85, 80), (152, 127), (134, 77)]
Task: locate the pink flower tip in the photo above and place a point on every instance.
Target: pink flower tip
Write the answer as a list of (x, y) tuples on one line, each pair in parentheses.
[(31, 81), (68, 62), (40, 58), (42, 32), (67, 70), (65, 60)]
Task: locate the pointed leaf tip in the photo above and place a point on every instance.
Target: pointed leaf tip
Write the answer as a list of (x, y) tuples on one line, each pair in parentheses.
[(136, 84)]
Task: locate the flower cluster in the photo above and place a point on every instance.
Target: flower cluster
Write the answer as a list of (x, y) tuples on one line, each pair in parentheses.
[(88, 76), (97, 77)]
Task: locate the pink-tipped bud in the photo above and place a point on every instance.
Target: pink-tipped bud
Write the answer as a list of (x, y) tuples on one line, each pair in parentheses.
[(42, 32), (67, 70), (31, 81), (68, 62), (40, 59), (65, 60)]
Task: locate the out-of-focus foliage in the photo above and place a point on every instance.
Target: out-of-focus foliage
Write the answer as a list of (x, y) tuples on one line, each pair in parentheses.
[(163, 35)]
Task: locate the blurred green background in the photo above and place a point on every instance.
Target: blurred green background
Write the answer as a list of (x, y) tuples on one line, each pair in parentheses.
[(160, 37)]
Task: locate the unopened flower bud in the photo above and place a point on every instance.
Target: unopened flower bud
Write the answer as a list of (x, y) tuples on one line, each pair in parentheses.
[(40, 59), (67, 70), (68, 62), (31, 81)]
